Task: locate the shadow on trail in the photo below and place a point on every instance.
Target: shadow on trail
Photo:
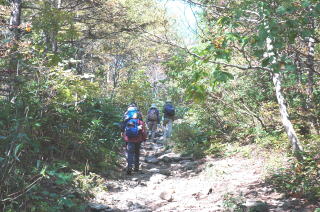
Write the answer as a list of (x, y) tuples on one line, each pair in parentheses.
[(132, 206), (277, 200)]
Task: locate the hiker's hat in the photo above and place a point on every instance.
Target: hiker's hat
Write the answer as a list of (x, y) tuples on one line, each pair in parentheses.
[(132, 104)]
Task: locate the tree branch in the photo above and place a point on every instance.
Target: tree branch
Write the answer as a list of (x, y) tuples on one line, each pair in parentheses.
[(166, 41)]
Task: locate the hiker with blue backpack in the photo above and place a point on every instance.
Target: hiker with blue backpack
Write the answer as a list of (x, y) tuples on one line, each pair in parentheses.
[(132, 109), (168, 118), (153, 119), (134, 133)]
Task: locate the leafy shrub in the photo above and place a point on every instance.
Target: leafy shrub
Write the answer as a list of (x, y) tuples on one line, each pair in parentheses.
[(43, 127), (302, 179), (273, 141), (188, 139), (232, 202)]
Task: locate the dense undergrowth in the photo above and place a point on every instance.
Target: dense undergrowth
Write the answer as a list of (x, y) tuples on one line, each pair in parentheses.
[(50, 150), (300, 178)]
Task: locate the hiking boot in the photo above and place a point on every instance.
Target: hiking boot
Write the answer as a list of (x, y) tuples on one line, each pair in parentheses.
[(129, 171)]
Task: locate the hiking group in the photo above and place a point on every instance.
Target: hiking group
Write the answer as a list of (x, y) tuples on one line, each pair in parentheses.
[(135, 131)]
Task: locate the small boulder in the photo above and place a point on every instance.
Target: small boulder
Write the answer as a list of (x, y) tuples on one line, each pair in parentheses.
[(151, 159), (167, 195), (165, 159), (165, 172), (256, 206), (190, 166), (98, 207), (154, 170)]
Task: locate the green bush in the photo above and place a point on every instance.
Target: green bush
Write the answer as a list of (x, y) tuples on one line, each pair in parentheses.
[(273, 141), (39, 131), (188, 139), (301, 179)]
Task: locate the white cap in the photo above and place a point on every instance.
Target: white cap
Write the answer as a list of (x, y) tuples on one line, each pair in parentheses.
[(132, 108), (153, 105)]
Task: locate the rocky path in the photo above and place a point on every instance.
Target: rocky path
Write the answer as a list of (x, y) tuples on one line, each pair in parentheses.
[(170, 182)]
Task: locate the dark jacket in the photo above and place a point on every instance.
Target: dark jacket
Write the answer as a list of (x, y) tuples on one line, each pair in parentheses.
[(157, 112)]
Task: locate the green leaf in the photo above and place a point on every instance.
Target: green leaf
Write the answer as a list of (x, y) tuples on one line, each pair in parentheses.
[(53, 195), (305, 3), (258, 53), (279, 44), (265, 62), (43, 171), (290, 67), (222, 76), (37, 124), (223, 54), (223, 20), (17, 149), (45, 193), (281, 10), (66, 202), (306, 33), (292, 36)]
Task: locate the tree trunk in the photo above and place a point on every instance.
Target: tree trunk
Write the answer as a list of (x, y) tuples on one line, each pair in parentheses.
[(293, 138), (15, 18), (311, 71), (310, 68), (54, 42)]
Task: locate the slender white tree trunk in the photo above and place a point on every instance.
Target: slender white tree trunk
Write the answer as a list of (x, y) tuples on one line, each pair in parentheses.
[(310, 67), (293, 138), (276, 78), (15, 18), (311, 71), (15, 21)]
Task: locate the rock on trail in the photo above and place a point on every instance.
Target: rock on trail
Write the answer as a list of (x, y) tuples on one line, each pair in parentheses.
[(170, 182)]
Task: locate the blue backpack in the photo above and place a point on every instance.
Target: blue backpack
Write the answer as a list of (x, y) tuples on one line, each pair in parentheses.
[(169, 110), (131, 112), (132, 130)]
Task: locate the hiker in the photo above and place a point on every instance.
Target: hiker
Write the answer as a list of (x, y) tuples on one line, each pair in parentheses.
[(134, 133), (132, 109), (153, 119), (168, 117)]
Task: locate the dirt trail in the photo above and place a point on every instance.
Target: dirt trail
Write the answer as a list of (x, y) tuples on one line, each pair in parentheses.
[(170, 182)]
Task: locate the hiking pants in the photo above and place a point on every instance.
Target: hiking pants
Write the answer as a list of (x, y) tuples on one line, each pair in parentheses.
[(133, 154), (152, 127), (167, 123)]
